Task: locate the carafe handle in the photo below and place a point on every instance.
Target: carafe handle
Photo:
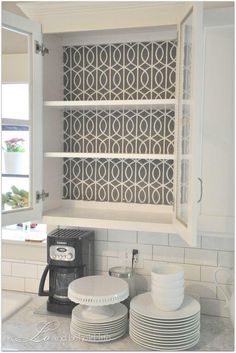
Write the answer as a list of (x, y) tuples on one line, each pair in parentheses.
[(41, 291)]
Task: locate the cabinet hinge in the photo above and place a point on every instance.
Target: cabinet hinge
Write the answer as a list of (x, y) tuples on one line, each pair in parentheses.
[(41, 196), (40, 48)]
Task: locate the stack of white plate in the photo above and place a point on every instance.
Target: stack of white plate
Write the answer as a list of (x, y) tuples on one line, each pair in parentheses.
[(98, 324), (159, 330)]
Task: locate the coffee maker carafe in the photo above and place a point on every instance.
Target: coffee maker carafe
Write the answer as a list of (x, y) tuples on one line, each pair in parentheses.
[(69, 256)]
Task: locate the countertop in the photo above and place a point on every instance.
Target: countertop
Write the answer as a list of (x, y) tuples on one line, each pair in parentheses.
[(22, 332)]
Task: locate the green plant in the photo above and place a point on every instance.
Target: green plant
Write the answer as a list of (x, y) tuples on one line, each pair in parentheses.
[(14, 145), (16, 198)]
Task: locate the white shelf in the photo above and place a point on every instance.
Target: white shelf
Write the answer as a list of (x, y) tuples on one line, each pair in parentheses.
[(113, 104), (108, 155), (136, 217)]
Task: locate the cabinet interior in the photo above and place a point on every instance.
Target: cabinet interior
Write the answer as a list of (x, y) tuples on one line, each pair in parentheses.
[(134, 128)]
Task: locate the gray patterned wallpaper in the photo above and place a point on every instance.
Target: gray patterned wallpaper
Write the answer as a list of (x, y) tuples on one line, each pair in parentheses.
[(120, 71), (116, 72)]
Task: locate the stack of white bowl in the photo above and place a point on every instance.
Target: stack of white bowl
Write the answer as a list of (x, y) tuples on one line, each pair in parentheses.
[(167, 286)]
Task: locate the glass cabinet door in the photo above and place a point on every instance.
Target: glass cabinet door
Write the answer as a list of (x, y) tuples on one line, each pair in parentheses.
[(187, 190), (21, 120)]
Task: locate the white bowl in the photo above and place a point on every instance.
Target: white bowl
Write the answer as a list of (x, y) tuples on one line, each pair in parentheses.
[(167, 273), (167, 304), (167, 284), (167, 292)]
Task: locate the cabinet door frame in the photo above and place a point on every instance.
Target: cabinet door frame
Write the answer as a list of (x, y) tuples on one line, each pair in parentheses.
[(23, 25), (188, 231)]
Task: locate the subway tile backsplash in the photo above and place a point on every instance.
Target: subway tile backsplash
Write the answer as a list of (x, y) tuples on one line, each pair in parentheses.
[(114, 247)]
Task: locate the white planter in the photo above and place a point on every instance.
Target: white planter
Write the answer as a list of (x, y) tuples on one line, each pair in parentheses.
[(15, 163)]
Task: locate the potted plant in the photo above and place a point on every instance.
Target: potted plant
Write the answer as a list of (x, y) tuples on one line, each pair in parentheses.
[(16, 198), (15, 159)]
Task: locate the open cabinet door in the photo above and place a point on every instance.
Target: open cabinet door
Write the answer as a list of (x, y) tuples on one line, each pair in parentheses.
[(188, 131), (21, 119)]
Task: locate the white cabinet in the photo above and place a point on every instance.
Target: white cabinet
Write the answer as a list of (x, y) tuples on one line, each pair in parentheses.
[(217, 206), (112, 175)]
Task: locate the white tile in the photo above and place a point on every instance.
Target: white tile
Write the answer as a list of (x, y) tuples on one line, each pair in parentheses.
[(36, 263), (153, 238), (176, 240), (13, 283), (200, 289), (201, 257), (32, 285), (217, 243), (191, 272), (101, 234), (208, 275), (166, 253), (148, 266), (24, 270), (40, 269), (122, 236), (226, 259), (224, 291), (101, 273), (101, 248), (113, 262), (213, 307), (6, 268), (100, 263), (13, 260)]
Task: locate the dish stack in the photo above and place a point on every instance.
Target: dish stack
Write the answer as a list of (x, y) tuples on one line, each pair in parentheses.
[(100, 317), (167, 286), (165, 319), (93, 326)]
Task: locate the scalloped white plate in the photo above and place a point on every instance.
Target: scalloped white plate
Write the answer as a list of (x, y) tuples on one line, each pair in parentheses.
[(98, 290)]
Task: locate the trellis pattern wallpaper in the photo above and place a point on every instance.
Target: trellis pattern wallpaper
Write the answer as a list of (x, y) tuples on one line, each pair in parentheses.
[(124, 71), (120, 71), (115, 131), (116, 180)]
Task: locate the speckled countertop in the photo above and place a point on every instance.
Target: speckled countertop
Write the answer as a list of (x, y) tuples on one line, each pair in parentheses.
[(21, 332)]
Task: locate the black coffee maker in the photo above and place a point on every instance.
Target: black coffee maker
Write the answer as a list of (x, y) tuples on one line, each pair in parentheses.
[(70, 254)]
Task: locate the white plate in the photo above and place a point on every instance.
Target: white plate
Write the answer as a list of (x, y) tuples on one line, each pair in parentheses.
[(144, 305), (165, 338), (165, 321), (105, 338), (168, 323), (85, 332), (98, 325), (101, 329), (165, 331), (160, 348), (80, 313), (164, 343)]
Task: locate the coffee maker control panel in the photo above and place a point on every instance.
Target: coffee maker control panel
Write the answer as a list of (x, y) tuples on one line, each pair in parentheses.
[(62, 253)]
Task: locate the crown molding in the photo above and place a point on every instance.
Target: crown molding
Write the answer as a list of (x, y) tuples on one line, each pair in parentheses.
[(77, 16), (39, 8)]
